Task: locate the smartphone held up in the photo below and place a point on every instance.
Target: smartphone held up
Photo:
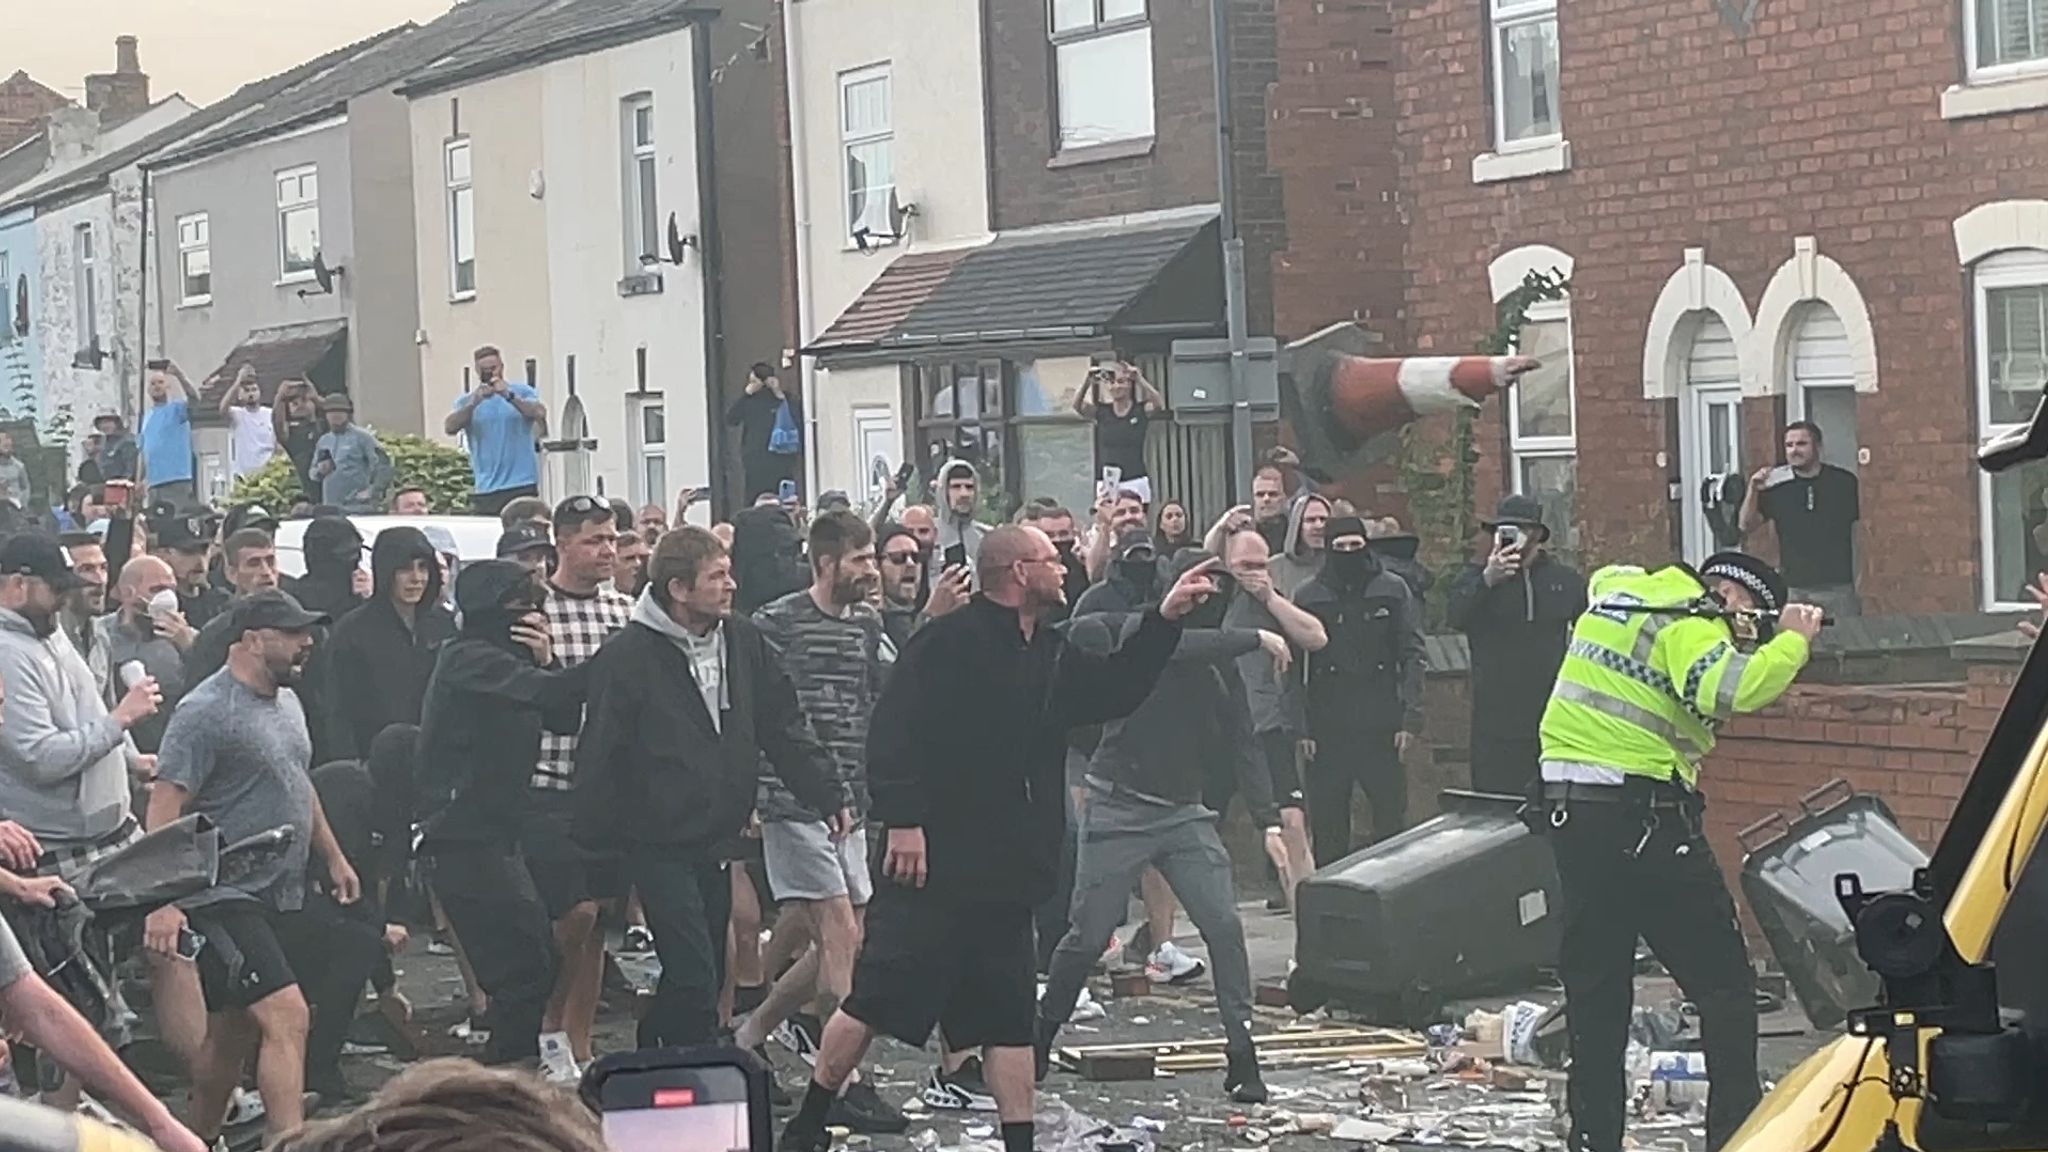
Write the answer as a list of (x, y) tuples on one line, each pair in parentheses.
[(712, 1099)]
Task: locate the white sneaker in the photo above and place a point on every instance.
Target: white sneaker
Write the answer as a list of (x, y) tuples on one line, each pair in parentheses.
[(1170, 965), (244, 1107), (557, 1063), (1086, 1009)]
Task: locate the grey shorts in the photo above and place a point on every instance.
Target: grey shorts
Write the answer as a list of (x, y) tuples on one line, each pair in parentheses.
[(805, 864)]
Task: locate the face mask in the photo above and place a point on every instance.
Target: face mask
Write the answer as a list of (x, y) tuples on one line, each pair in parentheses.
[(1142, 575), (1209, 613), (1351, 569), (1065, 547)]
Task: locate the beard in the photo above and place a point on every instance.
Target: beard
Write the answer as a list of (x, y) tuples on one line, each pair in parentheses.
[(43, 623), (285, 673)]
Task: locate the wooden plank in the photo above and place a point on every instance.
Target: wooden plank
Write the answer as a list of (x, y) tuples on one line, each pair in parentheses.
[(1276, 1040), (1300, 1058)]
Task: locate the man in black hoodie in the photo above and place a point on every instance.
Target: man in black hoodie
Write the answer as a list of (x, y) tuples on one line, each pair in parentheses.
[(1364, 690), (966, 761), (666, 775), (383, 653), (494, 687), (1516, 610), (767, 557), (1145, 809), (334, 551)]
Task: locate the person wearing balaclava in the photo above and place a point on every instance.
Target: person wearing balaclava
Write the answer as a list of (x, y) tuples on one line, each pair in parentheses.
[(493, 689), (1144, 809), (333, 552), (1132, 580), (1364, 690)]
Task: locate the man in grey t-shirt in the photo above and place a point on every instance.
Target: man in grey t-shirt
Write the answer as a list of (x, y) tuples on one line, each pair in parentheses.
[(237, 750)]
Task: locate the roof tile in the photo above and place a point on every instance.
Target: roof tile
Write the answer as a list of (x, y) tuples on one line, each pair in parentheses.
[(902, 286)]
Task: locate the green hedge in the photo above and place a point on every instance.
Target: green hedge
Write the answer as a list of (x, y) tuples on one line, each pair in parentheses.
[(416, 463)]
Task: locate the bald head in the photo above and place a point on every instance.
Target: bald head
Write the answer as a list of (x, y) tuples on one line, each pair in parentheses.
[(1007, 546), (142, 578)]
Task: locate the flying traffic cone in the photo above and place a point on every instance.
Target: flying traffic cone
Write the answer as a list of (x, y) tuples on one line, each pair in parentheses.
[(1346, 410)]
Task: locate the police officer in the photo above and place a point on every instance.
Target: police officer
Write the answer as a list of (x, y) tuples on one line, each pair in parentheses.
[(1656, 664)]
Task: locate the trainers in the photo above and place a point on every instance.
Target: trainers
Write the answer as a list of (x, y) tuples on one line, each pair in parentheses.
[(1086, 1009), (1170, 965), (800, 1034), (244, 1107), (861, 1109), (639, 941), (557, 1062), (961, 1091)]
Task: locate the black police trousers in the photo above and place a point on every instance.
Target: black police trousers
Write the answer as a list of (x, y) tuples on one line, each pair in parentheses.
[(1616, 886)]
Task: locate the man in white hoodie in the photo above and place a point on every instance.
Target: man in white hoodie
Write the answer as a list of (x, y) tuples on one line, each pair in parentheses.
[(64, 758)]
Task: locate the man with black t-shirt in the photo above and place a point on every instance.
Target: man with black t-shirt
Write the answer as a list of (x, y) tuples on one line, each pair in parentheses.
[(1815, 507)]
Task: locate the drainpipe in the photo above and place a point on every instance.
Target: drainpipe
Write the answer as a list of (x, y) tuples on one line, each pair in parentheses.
[(800, 201), (711, 249), (142, 310)]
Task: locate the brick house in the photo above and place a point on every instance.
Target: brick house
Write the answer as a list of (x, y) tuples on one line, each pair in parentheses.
[(1766, 214)]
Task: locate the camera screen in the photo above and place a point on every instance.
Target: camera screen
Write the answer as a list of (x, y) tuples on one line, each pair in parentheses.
[(701, 1109)]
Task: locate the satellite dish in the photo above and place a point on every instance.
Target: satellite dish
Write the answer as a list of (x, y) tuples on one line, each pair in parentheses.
[(900, 215), (677, 242), (323, 275)]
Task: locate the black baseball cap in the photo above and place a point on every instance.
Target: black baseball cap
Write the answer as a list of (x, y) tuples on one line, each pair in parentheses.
[(38, 554), (1133, 541), (182, 532), (523, 538), (271, 609), (249, 516)]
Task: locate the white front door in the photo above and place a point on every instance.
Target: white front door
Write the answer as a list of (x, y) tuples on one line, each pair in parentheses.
[(875, 448), (1710, 429)]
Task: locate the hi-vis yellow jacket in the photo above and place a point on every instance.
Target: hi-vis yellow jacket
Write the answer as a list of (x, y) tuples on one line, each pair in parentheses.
[(1642, 692)]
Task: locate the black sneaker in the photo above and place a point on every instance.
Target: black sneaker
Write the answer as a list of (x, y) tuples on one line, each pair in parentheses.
[(800, 1034), (794, 1140), (747, 997), (961, 1091), (639, 941), (861, 1109)]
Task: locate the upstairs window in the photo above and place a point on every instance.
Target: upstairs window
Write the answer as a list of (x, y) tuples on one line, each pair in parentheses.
[(461, 222), (2006, 34), (195, 260), (86, 289), (642, 199), (298, 222), (1102, 56), (1525, 68), (867, 137)]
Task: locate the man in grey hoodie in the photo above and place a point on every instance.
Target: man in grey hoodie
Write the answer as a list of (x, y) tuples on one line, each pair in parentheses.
[(64, 758), (959, 491), (1301, 557)]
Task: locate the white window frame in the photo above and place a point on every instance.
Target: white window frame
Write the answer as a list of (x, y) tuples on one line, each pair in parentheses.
[(461, 203), (848, 140), (85, 247), (641, 451), (1992, 73), (1100, 27), (1520, 447), (289, 205), (194, 239), (639, 158), (1502, 15), (6, 300), (2024, 268)]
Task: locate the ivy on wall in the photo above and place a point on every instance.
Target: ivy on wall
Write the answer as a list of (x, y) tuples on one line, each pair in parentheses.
[(1437, 473)]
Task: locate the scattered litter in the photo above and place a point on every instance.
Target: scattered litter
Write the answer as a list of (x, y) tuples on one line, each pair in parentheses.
[(1256, 1136), (1148, 1124), (1141, 1019), (1352, 1130), (979, 1131)]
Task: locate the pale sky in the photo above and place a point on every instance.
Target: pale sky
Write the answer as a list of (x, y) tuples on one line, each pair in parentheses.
[(203, 48)]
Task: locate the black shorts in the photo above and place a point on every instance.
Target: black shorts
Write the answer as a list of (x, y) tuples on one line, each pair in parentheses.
[(564, 872), (1283, 767), (492, 503), (271, 947), (969, 969)]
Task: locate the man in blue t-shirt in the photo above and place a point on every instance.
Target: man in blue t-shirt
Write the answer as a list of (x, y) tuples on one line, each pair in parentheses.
[(503, 421), (167, 437)]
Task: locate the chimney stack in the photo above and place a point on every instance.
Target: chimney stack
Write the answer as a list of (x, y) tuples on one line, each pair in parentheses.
[(123, 93)]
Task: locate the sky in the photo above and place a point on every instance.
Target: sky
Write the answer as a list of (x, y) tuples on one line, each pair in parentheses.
[(202, 48)]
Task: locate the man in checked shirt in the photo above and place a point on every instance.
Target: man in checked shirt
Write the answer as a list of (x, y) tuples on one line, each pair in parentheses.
[(583, 612)]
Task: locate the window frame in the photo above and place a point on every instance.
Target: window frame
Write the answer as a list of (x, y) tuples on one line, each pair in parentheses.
[(1524, 448), (1502, 15), (85, 250), (640, 452), (6, 299), (286, 209), (202, 243), (848, 141), (639, 161), (1100, 27), (2014, 268), (459, 199), (1977, 73)]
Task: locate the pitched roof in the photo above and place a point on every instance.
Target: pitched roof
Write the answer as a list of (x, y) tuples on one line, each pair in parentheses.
[(373, 65), (242, 102), (285, 352), (554, 30), (901, 287)]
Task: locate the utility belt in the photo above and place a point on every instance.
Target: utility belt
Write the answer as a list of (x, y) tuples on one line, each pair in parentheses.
[(1636, 801)]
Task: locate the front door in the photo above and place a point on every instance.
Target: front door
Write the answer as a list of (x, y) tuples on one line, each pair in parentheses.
[(1713, 447)]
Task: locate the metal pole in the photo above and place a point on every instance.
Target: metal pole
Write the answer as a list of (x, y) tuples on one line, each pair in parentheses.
[(1233, 258)]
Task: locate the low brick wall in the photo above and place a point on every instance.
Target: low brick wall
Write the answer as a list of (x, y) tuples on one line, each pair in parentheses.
[(1914, 745)]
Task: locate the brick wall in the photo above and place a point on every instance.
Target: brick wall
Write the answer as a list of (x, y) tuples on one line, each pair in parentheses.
[(1822, 121), (1028, 186), (23, 104)]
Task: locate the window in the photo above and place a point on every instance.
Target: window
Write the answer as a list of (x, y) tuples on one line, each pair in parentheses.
[(867, 138), (1542, 422), (1822, 371), (1525, 67), (2012, 365), (195, 261), (6, 302), (2008, 33), (461, 223), (87, 288), (1102, 53), (650, 451), (298, 222), (642, 205)]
